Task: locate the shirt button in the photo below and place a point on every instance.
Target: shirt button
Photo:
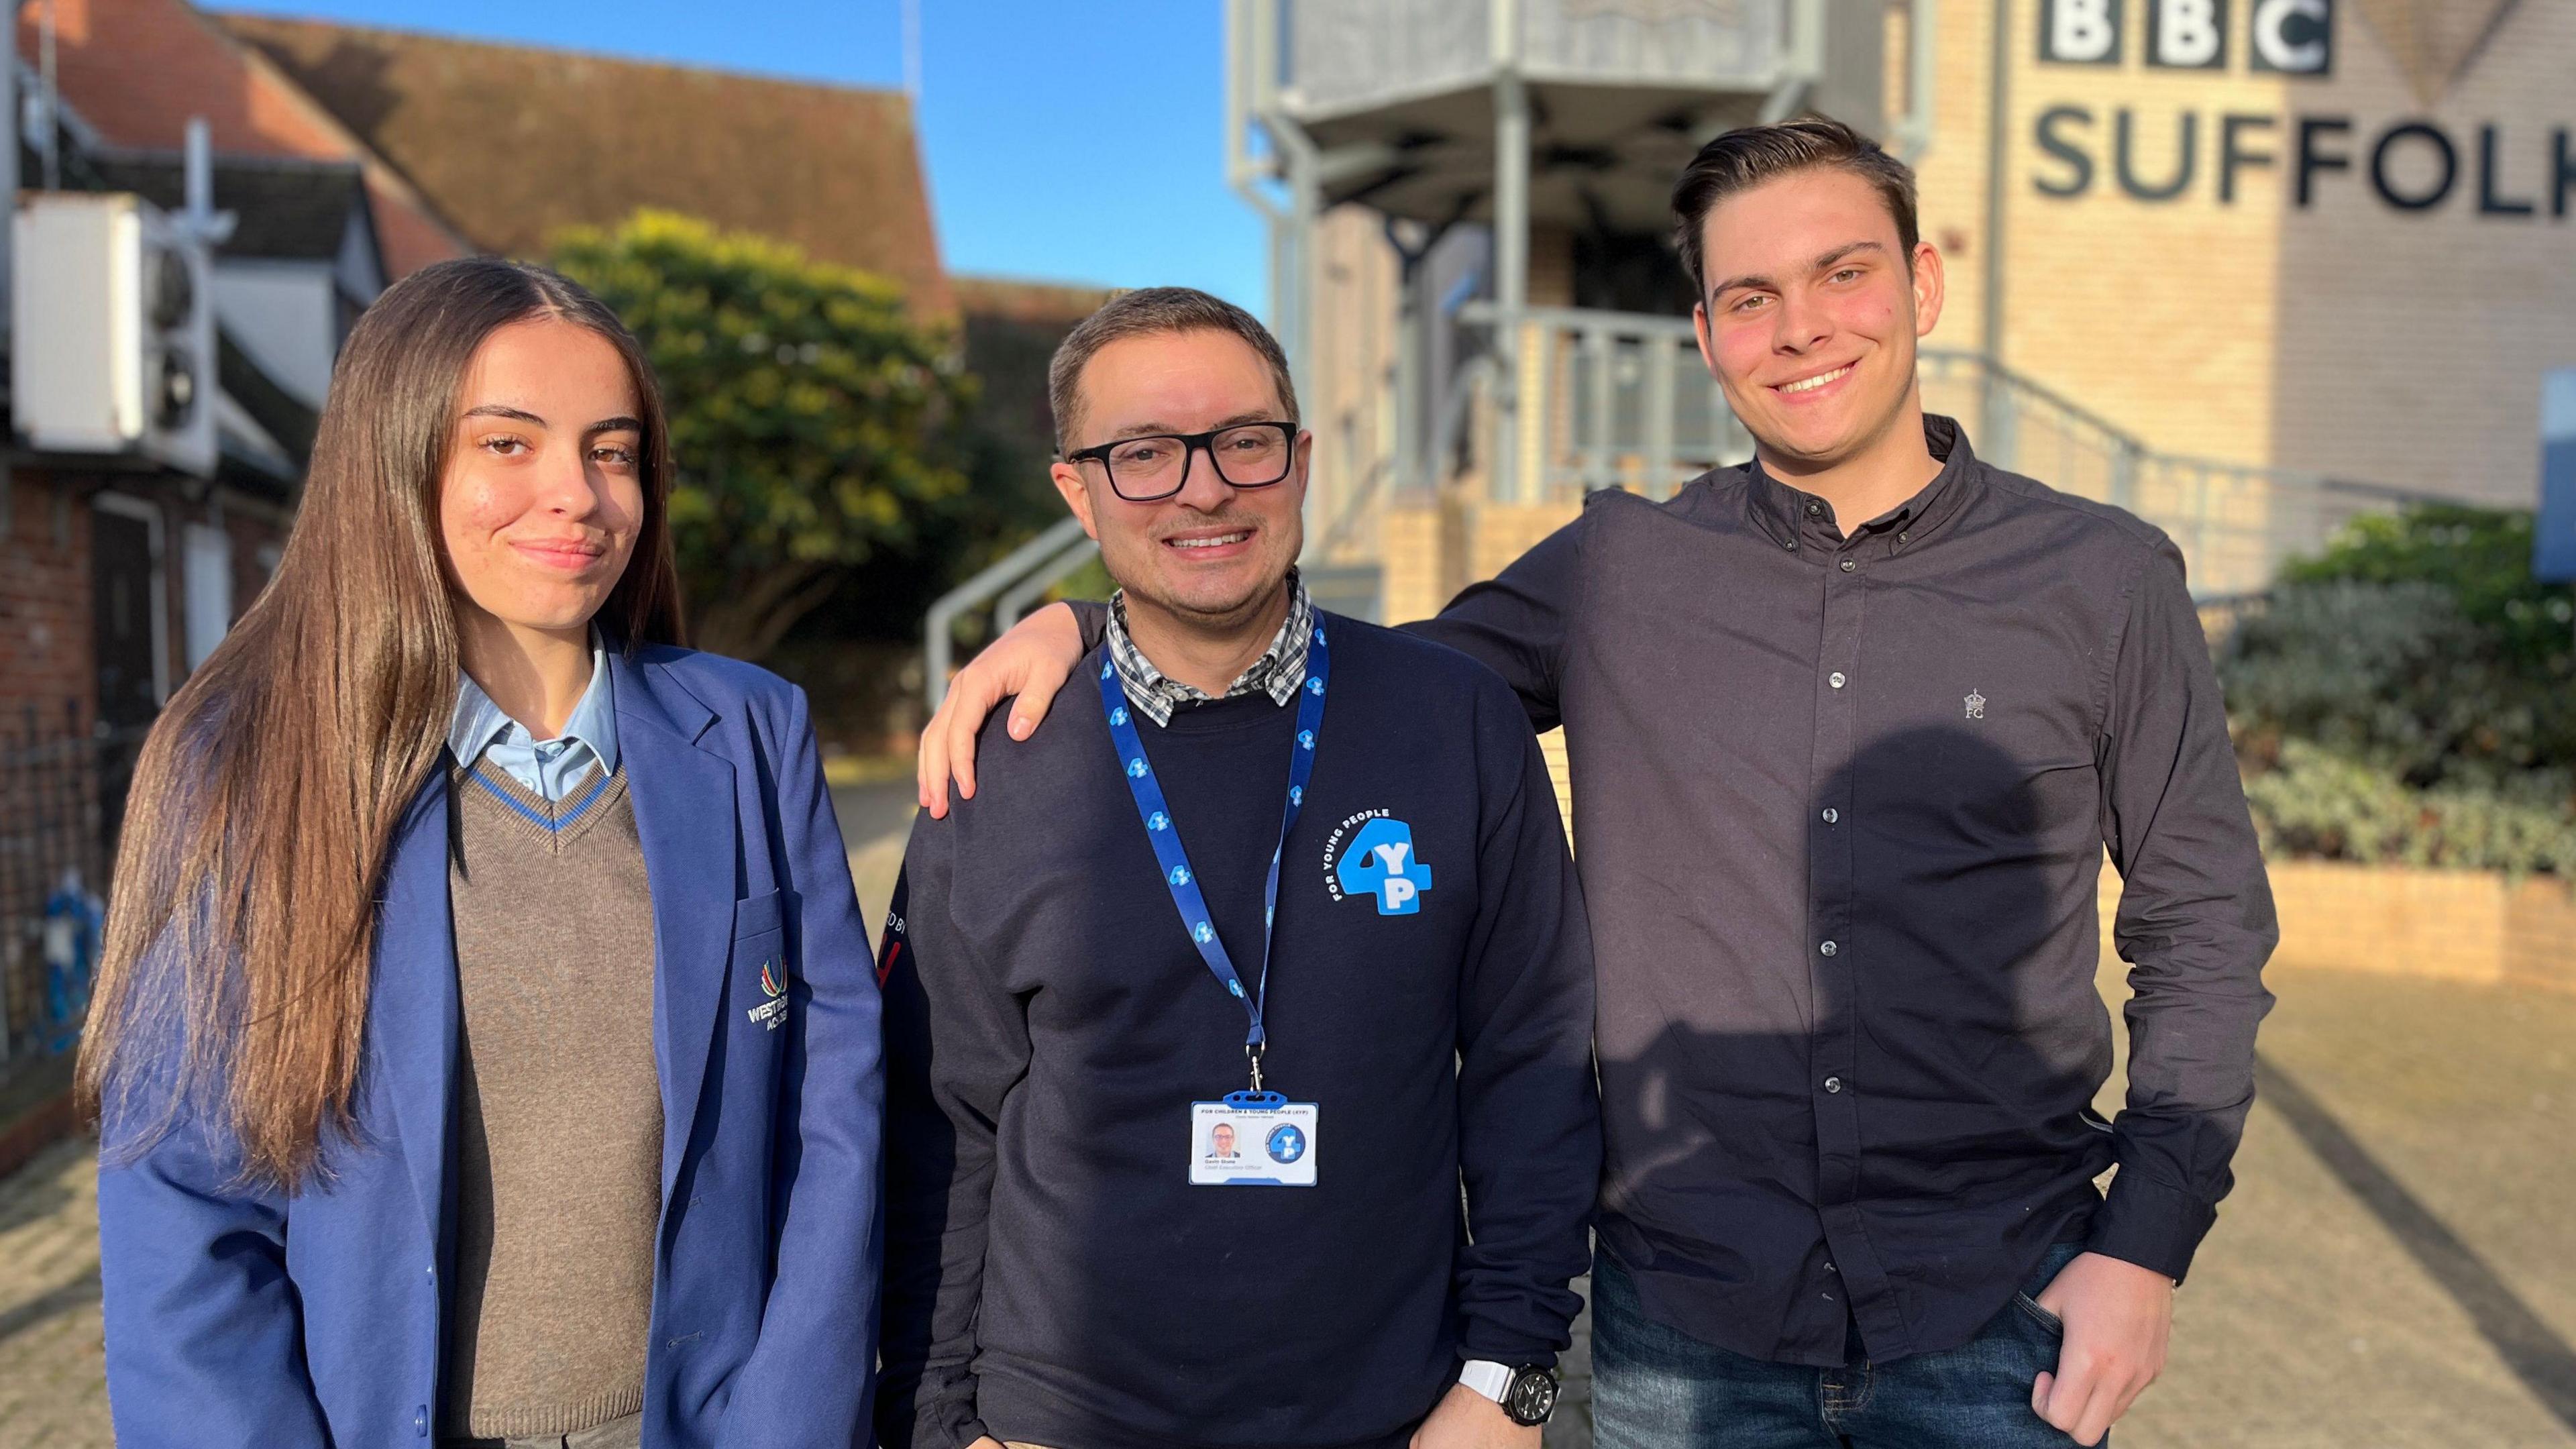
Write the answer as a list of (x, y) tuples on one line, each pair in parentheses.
[(1835, 679), (1833, 1084), (1848, 565), (1815, 509), (1832, 815), (1902, 537), (1791, 545), (1828, 948)]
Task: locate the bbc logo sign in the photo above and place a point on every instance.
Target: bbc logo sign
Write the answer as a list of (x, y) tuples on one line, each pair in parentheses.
[(2282, 37)]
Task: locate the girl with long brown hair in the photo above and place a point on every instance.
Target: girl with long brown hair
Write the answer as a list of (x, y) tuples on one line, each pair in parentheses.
[(486, 1048)]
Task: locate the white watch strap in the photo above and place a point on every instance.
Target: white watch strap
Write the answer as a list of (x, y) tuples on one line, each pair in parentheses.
[(1487, 1377)]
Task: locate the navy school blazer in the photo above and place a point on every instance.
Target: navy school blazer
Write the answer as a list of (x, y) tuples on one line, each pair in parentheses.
[(299, 1321)]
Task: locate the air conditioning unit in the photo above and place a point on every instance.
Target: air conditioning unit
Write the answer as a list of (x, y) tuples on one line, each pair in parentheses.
[(112, 331)]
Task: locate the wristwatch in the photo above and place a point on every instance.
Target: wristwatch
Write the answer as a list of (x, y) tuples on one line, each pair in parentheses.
[(1527, 1393)]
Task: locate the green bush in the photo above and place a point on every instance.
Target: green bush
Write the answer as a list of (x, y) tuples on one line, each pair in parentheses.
[(2406, 696), (2419, 643), (2388, 674), (2480, 557), (2317, 803)]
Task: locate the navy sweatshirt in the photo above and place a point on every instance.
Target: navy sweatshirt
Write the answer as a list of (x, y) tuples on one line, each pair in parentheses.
[(1051, 1276)]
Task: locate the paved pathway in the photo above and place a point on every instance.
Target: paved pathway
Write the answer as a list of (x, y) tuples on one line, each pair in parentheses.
[(2396, 1270), (52, 1379)]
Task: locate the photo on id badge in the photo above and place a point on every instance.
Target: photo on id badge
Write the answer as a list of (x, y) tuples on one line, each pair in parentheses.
[(1252, 1139)]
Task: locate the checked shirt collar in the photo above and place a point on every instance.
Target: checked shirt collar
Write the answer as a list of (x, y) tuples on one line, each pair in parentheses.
[(1277, 673)]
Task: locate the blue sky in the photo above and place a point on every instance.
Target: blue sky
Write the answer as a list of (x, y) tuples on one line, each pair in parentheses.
[(1067, 140)]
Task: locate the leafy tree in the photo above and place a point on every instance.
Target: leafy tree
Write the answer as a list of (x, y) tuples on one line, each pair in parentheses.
[(813, 420)]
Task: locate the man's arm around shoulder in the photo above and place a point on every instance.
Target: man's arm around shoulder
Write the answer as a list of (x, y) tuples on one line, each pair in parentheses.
[(1516, 623)]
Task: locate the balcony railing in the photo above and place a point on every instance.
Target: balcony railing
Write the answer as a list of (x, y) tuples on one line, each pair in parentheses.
[(1346, 54)]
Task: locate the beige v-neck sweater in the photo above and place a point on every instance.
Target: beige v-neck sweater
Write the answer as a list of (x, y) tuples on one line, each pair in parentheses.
[(559, 1110)]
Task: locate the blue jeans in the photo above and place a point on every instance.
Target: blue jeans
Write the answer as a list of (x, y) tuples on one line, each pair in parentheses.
[(1655, 1387)]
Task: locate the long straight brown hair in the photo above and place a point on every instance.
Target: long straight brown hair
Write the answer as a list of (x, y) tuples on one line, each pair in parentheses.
[(233, 990)]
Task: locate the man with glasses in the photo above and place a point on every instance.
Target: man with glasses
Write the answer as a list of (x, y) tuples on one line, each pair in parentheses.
[(1853, 727), (1239, 1071)]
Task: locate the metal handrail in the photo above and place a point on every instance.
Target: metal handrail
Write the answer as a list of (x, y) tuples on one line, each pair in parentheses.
[(1604, 392), (1644, 325), (938, 645), (1015, 604)]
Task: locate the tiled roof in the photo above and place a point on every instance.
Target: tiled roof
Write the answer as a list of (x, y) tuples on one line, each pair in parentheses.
[(1013, 300), (511, 143)]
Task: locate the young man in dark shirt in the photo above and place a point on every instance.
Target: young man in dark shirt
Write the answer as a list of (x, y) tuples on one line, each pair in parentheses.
[(1196, 1030), (1852, 728)]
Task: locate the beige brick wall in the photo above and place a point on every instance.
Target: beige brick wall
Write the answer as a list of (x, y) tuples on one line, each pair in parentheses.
[(1350, 402), (2177, 282), (1411, 540), (2349, 337), (2409, 347), (2540, 933), (2453, 925), (1505, 532), (1552, 745)]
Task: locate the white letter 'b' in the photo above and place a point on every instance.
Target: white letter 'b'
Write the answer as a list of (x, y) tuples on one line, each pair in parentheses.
[(2080, 30)]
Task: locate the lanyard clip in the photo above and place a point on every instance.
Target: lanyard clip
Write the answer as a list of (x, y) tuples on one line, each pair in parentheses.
[(1252, 1054)]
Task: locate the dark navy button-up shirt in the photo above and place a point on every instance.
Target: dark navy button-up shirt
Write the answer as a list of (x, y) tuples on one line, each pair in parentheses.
[(1841, 801)]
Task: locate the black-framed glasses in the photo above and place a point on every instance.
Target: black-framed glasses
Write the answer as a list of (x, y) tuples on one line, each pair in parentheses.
[(1156, 466)]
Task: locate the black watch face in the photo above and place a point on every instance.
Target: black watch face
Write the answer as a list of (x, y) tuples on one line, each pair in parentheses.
[(1532, 1396)]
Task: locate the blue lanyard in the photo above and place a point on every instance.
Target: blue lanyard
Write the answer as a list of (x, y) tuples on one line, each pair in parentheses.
[(1166, 834)]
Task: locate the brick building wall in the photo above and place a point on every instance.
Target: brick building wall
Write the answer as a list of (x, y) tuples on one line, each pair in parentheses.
[(2421, 361), (47, 588), (47, 689), (2473, 926), (44, 596), (60, 776), (1350, 385), (2187, 284), (2347, 336), (48, 585)]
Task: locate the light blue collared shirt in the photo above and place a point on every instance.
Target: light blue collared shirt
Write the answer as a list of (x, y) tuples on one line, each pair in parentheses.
[(549, 767)]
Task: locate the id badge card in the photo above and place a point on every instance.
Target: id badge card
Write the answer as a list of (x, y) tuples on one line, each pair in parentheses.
[(1252, 1139)]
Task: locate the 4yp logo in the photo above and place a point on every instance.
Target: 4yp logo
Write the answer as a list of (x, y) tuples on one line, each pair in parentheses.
[(1380, 862)]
